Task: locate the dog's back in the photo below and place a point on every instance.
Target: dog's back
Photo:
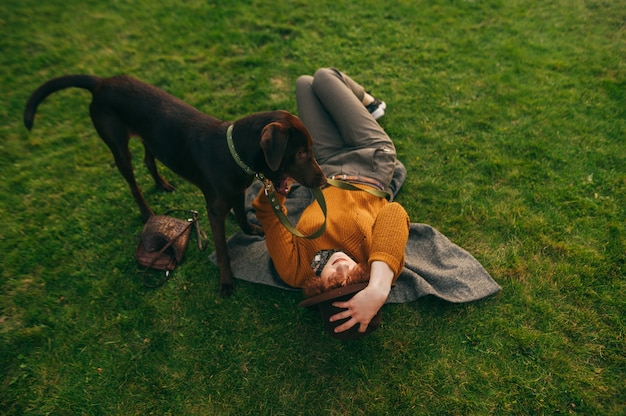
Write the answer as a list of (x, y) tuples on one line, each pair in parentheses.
[(122, 95), (123, 106)]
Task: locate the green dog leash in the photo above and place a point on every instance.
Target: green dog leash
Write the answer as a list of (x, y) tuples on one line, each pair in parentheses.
[(348, 186), (277, 208), (319, 197)]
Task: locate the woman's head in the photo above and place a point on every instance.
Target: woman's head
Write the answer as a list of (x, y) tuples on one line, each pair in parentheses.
[(338, 278), (328, 262), (335, 269)]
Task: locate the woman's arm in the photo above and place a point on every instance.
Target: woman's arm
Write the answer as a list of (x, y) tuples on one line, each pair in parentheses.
[(363, 306), (389, 238), (281, 244)]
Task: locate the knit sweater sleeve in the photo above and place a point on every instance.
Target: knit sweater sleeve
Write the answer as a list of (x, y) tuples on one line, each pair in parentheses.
[(389, 237), (282, 246)]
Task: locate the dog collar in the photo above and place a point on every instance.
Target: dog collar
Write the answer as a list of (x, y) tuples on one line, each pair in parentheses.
[(235, 155)]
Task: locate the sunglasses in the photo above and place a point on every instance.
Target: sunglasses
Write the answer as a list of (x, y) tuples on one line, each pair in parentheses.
[(320, 259)]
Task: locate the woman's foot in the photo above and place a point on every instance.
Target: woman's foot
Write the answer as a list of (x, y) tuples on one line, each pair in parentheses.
[(377, 109), (374, 106)]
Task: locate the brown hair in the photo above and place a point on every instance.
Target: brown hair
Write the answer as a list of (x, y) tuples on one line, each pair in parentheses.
[(317, 285)]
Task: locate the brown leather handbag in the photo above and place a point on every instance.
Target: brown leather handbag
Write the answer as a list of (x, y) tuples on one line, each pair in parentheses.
[(163, 242)]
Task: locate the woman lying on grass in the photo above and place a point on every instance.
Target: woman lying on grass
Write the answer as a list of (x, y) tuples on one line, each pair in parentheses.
[(365, 234)]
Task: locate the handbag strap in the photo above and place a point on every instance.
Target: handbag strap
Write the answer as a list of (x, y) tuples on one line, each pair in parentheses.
[(165, 247), (201, 236)]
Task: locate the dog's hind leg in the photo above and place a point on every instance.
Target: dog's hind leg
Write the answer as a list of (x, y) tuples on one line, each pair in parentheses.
[(150, 162), (116, 135)]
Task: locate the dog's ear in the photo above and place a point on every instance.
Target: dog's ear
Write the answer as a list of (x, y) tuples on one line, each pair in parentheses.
[(274, 139)]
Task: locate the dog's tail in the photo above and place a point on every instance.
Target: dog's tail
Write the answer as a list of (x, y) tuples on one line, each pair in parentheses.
[(87, 82)]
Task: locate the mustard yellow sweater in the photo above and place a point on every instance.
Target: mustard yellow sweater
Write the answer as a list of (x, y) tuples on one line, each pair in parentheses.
[(366, 227)]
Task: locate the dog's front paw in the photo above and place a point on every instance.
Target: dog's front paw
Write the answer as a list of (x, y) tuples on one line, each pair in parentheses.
[(226, 289)]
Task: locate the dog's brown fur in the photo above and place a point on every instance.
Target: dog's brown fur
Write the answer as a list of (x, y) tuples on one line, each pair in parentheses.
[(193, 145)]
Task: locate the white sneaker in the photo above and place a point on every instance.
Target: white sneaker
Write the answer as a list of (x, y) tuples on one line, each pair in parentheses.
[(377, 109)]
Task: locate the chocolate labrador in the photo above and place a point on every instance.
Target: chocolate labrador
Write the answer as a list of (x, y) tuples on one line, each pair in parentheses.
[(194, 145)]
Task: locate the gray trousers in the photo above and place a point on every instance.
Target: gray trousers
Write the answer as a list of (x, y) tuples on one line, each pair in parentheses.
[(347, 140)]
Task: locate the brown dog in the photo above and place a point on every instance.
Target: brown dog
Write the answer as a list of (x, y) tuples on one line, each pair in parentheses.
[(193, 145)]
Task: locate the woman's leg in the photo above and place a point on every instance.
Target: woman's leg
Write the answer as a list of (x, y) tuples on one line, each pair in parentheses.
[(342, 98), (326, 137), (362, 148)]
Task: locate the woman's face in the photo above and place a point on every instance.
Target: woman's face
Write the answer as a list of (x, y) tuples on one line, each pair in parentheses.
[(339, 263)]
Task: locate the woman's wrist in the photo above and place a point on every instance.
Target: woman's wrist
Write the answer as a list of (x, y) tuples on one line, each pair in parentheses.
[(381, 278)]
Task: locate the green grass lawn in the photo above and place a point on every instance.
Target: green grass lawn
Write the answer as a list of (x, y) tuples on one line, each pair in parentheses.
[(510, 117)]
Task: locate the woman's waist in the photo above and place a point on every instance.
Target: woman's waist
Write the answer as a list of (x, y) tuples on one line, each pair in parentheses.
[(360, 180)]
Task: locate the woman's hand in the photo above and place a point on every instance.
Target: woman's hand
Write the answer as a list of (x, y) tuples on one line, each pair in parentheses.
[(363, 306)]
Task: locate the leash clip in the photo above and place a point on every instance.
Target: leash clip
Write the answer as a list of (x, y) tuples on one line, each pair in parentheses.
[(268, 186)]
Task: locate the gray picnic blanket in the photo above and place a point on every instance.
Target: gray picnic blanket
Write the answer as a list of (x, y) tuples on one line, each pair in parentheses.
[(433, 264)]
